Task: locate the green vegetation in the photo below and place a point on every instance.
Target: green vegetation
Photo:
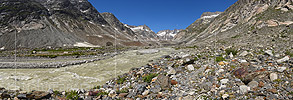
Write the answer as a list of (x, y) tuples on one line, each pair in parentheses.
[(195, 58), (290, 93), (233, 67), (97, 87), (289, 53), (198, 56), (236, 36), (72, 95), (57, 93), (148, 78), (278, 80), (272, 13), (220, 58), (102, 93), (49, 56), (121, 80), (177, 48), (233, 51)]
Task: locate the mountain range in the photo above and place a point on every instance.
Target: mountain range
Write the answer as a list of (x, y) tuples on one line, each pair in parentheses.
[(63, 23), (66, 23)]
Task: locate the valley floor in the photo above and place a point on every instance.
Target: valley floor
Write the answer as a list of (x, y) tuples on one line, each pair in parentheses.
[(183, 73)]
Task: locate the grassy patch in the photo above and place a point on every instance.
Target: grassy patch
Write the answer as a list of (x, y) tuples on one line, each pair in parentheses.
[(278, 80), (97, 87), (121, 80), (289, 53), (72, 95), (57, 93), (236, 36), (195, 58), (148, 78), (233, 66), (199, 56), (233, 51), (220, 58)]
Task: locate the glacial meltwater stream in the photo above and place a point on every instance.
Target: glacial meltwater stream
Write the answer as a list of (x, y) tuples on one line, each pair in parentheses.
[(84, 76)]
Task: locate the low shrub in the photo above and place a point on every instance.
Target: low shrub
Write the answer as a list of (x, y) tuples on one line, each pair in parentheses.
[(148, 78)]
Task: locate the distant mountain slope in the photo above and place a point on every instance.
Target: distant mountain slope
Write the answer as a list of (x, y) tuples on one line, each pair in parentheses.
[(261, 23), (58, 23), (196, 27)]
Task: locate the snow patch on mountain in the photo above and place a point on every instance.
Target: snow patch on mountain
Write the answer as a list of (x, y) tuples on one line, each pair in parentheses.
[(211, 16)]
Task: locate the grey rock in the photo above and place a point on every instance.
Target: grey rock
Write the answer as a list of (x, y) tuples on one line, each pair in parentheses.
[(231, 55), (206, 86), (146, 92), (244, 53), (190, 68), (171, 71), (21, 96), (281, 69), (267, 86), (140, 88), (50, 91), (272, 97), (163, 81), (273, 76), (131, 94), (269, 52), (283, 59), (156, 89), (224, 81), (243, 89), (253, 84)]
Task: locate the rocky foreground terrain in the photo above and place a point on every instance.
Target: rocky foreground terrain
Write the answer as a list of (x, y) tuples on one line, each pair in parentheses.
[(195, 73)]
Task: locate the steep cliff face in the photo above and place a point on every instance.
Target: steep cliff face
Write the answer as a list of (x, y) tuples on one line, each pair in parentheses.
[(250, 23), (58, 23)]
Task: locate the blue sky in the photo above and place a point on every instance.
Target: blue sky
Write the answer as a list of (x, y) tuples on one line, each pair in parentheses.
[(160, 14)]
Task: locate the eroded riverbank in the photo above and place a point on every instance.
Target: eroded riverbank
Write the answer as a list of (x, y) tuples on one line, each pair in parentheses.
[(84, 76)]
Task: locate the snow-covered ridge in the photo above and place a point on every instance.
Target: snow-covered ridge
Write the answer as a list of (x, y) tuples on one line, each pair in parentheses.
[(167, 34), (162, 33), (211, 16), (140, 28)]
